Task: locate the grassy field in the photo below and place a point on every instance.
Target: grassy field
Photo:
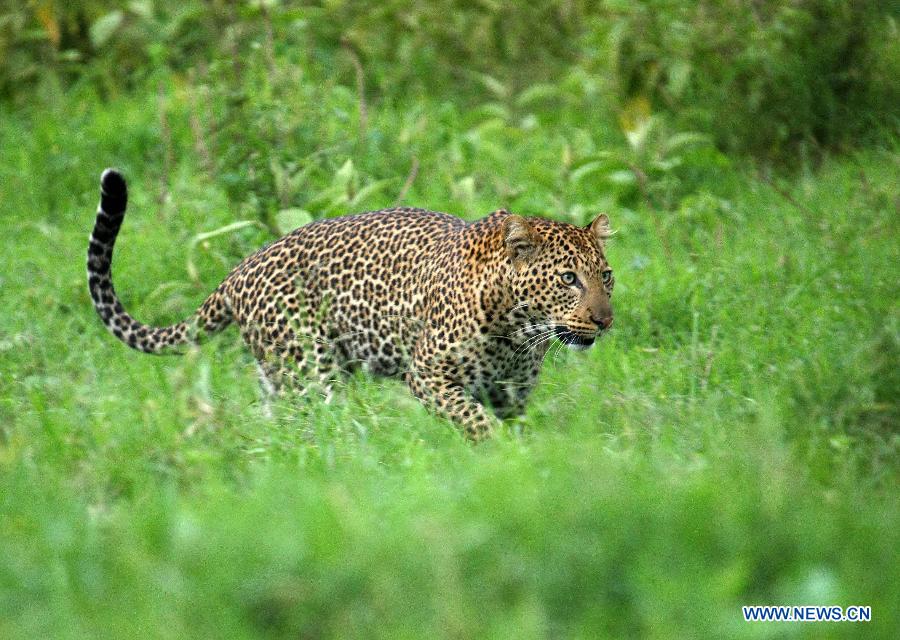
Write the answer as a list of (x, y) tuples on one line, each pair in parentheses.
[(733, 441)]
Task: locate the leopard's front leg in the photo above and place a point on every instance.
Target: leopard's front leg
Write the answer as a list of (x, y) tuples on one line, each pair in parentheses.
[(450, 400)]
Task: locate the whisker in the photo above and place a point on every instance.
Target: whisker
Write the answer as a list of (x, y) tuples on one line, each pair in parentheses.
[(560, 346), (541, 345), (538, 325), (536, 341)]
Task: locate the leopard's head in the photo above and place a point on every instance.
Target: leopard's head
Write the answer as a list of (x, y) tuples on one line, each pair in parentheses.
[(560, 278)]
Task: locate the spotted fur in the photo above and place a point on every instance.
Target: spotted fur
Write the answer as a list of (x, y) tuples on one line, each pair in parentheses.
[(463, 312)]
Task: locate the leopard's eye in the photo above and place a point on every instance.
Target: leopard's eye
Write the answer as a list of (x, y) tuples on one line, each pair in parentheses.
[(568, 277), (607, 276)]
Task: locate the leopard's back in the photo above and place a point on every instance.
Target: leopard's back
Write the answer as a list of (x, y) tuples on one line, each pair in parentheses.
[(357, 282)]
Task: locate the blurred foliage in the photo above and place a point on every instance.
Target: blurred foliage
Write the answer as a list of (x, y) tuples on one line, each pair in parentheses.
[(759, 76), (772, 79)]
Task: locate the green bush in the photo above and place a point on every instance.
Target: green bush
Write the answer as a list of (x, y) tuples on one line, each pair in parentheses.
[(766, 78), (771, 79)]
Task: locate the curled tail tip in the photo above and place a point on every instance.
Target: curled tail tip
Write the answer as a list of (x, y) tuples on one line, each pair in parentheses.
[(113, 193), (112, 182)]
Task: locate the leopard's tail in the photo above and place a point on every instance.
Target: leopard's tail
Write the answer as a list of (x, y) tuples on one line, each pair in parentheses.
[(213, 315)]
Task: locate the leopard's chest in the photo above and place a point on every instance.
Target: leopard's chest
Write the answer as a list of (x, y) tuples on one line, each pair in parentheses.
[(501, 373)]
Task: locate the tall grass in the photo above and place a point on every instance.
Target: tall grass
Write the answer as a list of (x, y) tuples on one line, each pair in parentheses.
[(733, 441)]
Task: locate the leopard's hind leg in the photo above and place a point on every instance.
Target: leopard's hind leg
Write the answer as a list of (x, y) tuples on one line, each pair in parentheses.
[(301, 366), (268, 389)]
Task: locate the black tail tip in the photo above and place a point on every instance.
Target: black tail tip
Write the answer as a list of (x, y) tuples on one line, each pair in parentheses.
[(112, 183)]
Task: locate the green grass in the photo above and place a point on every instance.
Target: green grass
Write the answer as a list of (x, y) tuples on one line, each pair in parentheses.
[(733, 441)]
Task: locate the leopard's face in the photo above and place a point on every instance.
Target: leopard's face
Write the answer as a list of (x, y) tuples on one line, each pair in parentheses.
[(561, 278)]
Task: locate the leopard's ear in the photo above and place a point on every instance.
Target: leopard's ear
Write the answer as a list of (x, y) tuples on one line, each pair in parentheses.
[(521, 239), (600, 228)]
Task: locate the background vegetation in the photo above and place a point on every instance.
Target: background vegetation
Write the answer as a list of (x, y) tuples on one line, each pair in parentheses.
[(733, 441)]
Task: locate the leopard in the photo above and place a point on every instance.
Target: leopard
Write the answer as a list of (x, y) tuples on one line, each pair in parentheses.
[(463, 312)]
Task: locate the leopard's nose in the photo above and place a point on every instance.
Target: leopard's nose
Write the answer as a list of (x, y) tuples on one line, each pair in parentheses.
[(603, 323)]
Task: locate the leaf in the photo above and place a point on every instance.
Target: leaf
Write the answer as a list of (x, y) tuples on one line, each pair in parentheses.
[(484, 128), (666, 165), (603, 161), (537, 93), (624, 177), (279, 175), (529, 122), (70, 55), (345, 174), (635, 120), (48, 20), (103, 29), (679, 73), (585, 170), (142, 8), (594, 157), (464, 189), (287, 220), (493, 85), (370, 189), (488, 110), (330, 200), (193, 274), (685, 139)]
